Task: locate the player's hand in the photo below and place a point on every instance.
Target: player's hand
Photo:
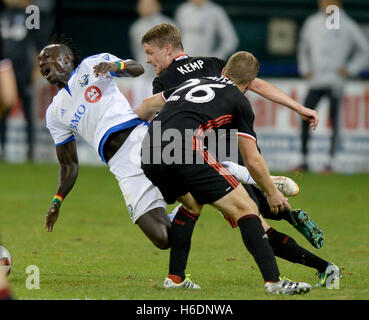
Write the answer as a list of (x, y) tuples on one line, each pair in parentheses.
[(51, 217), (105, 67), (309, 115), (277, 202)]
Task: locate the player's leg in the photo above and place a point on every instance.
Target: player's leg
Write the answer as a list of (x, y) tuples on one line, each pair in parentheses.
[(26, 98), (156, 225), (298, 218), (3, 133), (241, 208), (285, 247), (311, 102), (334, 114), (144, 201), (183, 225)]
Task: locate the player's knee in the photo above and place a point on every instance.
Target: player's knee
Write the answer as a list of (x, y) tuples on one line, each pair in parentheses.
[(162, 241), (193, 208)]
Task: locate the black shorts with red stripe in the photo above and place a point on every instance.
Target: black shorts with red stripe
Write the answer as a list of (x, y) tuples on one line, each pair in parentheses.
[(207, 182)]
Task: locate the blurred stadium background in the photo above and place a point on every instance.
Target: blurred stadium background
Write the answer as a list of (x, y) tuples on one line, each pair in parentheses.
[(262, 25)]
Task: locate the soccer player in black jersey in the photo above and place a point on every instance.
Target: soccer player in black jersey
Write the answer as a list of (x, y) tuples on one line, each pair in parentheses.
[(206, 106), (164, 51)]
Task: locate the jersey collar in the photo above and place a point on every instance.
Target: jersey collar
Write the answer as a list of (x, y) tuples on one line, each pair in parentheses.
[(180, 57), (67, 86)]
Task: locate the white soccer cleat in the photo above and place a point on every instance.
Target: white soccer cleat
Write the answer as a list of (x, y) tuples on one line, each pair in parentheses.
[(186, 283), (286, 286), (287, 186)]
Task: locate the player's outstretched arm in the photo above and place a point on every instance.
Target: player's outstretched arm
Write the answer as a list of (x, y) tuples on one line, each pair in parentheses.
[(68, 172), (260, 173), (126, 68), (272, 93), (149, 106)]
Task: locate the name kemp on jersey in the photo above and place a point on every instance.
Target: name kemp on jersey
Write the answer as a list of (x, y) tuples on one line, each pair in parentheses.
[(190, 67)]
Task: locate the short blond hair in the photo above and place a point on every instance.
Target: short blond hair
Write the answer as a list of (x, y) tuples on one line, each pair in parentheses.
[(162, 34), (242, 67)]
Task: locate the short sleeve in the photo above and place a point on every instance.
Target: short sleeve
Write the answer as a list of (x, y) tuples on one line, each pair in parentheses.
[(102, 57), (59, 132), (244, 118), (157, 86), (167, 93)]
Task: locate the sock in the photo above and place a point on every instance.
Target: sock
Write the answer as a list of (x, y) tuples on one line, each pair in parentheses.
[(240, 172), (175, 278), (173, 213), (181, 234), (285, 215), (257, 243), (5, 294), (288, 249)]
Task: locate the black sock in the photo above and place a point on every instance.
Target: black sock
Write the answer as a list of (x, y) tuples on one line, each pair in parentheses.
[(256, 242), (181, 234), (286, 216), (288, 249)]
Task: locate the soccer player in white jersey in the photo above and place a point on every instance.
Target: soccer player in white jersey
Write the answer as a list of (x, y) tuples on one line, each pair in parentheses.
[(90, 104)]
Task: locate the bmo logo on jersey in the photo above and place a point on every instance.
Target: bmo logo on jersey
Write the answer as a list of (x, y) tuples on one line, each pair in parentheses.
[(93, 94)]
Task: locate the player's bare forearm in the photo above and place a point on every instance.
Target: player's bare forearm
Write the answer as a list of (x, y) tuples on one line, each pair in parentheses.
[(256, 165), (260, 173), (272, 93), (133, 69), (130, 68), (149, 106), (68, 172), (68, 169)]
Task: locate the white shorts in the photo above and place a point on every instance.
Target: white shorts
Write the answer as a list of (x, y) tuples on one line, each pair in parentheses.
[(138, 191)]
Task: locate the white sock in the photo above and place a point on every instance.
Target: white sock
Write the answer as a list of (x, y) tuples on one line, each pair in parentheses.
[(173, 213), (240, 172)]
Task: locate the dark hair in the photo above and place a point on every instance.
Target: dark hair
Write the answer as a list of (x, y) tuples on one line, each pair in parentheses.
[(67, 42)]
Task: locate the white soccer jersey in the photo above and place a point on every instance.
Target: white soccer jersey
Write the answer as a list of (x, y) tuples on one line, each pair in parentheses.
[(92, 107)]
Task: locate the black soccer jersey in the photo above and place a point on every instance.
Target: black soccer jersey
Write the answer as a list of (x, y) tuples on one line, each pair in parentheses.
[(184, 67), (205, 104), (179, 145)]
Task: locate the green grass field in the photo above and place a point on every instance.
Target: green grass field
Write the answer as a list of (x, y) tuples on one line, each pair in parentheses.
[(95, 252)]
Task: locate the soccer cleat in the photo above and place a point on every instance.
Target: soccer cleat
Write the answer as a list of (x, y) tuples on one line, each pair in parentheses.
[(307, 227), (328, 278), (286, 286), (186, 283), (287, 186)]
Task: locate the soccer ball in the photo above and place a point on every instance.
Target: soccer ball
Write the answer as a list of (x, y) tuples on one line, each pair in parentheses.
[(5, 260)]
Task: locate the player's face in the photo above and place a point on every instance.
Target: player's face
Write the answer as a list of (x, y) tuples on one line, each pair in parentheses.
[(53, 66), (158, 57)]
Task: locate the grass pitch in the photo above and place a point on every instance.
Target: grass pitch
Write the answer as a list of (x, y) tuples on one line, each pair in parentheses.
[(95, 252)]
